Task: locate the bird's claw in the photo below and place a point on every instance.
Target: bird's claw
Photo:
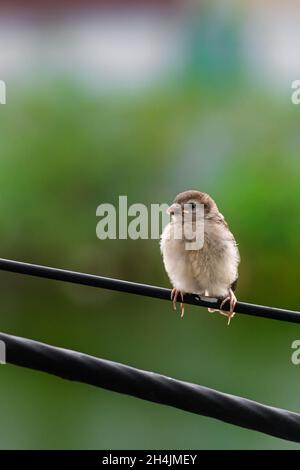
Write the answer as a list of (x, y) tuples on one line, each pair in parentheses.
[(232, 303), (182, 309), (174, 295)]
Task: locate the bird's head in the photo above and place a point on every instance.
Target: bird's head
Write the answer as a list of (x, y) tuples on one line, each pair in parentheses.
[(190, 202)]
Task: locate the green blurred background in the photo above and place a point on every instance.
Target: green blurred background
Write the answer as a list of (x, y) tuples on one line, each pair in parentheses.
[(203, 103)]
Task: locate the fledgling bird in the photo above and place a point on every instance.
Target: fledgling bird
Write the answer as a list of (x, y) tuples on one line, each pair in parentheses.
[(212, 268)]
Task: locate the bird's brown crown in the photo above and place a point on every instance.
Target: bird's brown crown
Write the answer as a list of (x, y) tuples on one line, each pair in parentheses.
[(197, 196)]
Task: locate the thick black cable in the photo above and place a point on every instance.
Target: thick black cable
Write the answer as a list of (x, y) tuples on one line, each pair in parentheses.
[(153, 387), (142, 289)]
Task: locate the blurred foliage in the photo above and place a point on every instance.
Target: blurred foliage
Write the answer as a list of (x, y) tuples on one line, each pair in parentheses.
[(63, 152)]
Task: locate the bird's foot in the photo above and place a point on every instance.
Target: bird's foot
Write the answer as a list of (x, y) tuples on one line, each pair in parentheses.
[(212, 310), (174, 295), (232, 303)]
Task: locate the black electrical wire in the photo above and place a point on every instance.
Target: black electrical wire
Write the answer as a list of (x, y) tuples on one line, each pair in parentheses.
[(153, 387), (143, 289), (148, 385)]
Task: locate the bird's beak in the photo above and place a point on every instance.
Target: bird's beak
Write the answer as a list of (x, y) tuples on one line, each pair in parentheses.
[(173, 208)]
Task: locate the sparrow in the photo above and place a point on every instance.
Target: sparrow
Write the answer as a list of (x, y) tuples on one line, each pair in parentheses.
[(207, 268)]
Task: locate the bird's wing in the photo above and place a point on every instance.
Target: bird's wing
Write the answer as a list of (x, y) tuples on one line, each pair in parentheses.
[(221, 220), (234, 285)]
